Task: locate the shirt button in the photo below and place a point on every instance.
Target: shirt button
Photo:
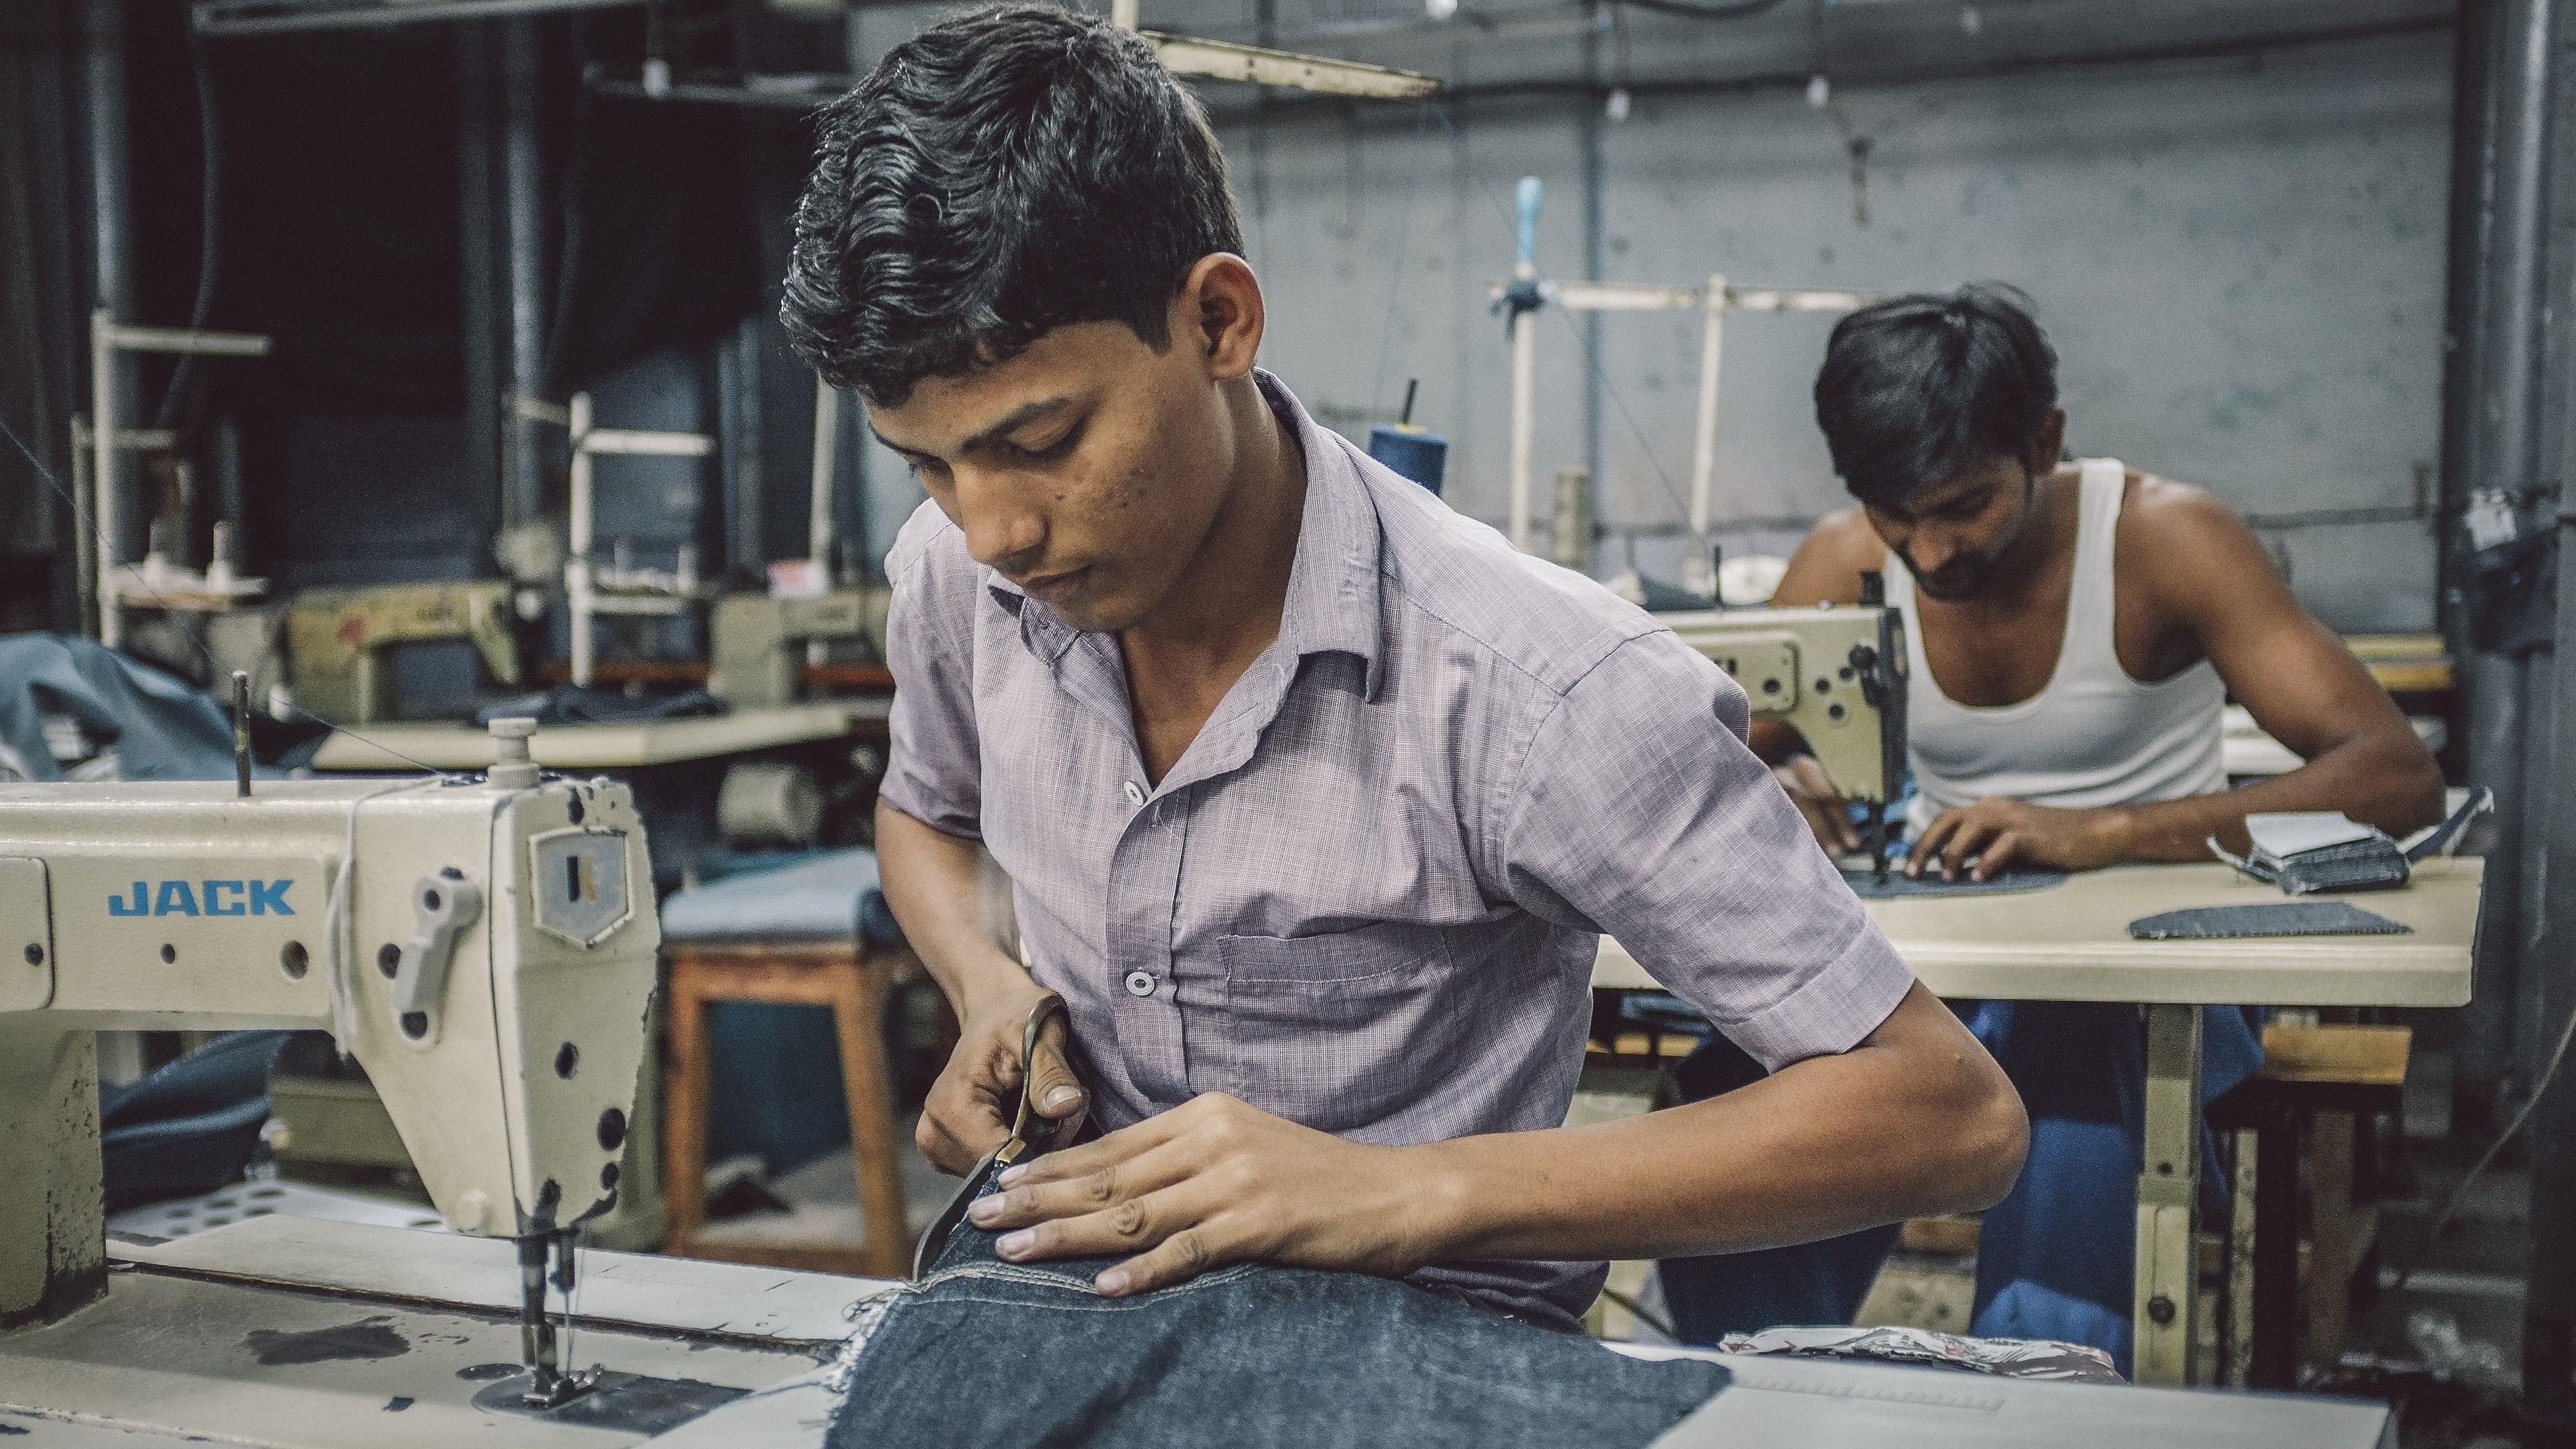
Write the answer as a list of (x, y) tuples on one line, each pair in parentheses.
[(1135, 793), (1140, 983)]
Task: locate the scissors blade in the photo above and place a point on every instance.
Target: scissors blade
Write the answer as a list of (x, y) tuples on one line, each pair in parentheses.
[(934, 1239)]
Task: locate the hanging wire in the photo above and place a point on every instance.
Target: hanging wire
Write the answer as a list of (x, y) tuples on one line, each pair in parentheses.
[(1592, 362), (209, 220), (2460, 1194), (1403, 248)]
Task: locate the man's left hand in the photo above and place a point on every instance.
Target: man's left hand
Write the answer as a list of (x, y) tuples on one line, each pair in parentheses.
[(1213, 1181), (1995, 832)]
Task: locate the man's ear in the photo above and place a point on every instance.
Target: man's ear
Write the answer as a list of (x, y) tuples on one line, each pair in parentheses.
[(1220, 313), (2049, 445)]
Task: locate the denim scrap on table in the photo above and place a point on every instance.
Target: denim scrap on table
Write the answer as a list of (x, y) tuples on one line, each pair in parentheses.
[(983, 1352)]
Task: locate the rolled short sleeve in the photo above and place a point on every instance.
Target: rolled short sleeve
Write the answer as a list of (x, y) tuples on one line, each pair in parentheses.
[(1639, 811), (934, 767)]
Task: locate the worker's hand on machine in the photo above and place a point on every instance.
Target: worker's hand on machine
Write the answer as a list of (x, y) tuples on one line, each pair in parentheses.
[(1828, 813), (969, 1109), (1213, 1181), (1980, 840)]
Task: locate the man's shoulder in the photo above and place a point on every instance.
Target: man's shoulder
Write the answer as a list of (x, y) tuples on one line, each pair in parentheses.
[(2166, 505), (2164, 521), (1452, 577), (930, 551), (1829, 561)]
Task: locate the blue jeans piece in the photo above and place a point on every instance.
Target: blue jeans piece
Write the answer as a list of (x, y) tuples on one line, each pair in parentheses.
[(983, 1352), (2055, 1258)]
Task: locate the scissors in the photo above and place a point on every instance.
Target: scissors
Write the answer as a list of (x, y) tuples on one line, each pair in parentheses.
[(935, 1238)]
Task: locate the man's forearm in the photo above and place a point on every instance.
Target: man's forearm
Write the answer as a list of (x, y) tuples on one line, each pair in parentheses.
[(933, 881), (1917, 1120), (2392, 784)]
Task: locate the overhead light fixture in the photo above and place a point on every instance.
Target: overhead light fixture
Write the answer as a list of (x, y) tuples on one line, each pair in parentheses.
[(1224, 60), (1439, 9), (264, 17)]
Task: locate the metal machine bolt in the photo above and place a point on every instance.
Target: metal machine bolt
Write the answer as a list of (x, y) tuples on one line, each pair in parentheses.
[(2161, 1309)]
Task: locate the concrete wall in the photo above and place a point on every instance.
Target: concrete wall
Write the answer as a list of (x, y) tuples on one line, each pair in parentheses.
[(2240, 262)]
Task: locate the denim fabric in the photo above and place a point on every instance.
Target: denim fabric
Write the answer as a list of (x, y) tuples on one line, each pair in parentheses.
[(983, 1352)]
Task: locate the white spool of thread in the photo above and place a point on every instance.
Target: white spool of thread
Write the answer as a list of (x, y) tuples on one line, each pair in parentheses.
[(769, 802)]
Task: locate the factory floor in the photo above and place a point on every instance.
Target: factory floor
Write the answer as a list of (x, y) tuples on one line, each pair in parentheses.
[(822, 1199)]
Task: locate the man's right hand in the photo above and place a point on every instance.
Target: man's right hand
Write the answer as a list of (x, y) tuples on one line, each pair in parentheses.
[(968, 1112), (1828, 814)]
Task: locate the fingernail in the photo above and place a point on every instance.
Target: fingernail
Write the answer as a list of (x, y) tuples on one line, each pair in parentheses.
[(1113, 1282), (1009, 1175), (984, 1209), (1014, 1244), (1063, 1097)]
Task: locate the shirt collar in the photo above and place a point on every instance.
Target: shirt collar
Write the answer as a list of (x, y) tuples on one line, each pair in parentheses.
[(1333, 603), (1332, 606)]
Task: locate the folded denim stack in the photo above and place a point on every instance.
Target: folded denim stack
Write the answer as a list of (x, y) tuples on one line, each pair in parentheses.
[(2313, 851)]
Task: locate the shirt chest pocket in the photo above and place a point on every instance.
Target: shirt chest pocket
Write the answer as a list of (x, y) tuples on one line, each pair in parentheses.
[(1329, 1030)]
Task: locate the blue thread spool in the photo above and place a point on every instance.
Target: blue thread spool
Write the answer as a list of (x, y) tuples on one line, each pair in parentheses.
[(1408, 450)]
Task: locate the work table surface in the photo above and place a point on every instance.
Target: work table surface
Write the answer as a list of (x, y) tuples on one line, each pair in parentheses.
[(618, 745), (2071, 942)]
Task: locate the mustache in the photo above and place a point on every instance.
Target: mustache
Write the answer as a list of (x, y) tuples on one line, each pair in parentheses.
[(1957, 578)]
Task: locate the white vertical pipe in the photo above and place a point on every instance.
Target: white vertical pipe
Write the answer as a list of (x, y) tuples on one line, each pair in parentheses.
[(1697, 574), (102, 471), (1123, 13), (1524, 412), (819, 531), (1526, 198), (827, 452), (577, 571)]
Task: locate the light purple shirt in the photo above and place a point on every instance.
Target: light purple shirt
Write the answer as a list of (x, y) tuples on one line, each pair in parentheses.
[(1368, 896)]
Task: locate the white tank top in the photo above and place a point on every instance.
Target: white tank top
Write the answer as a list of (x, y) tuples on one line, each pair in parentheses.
[(2092, 735)]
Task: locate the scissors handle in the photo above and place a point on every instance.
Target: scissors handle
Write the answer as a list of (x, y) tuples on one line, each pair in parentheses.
[(1048, 1007), (935, 1238)]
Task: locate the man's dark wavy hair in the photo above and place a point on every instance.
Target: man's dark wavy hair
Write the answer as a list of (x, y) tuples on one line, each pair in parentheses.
[(998, 176), (1916, 390)]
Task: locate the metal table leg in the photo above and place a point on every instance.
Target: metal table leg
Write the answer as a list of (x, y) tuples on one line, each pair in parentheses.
[(2168, 1185)]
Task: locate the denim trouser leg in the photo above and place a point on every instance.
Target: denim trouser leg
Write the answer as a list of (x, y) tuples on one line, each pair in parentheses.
[(983, 1352), (1806, 1285)]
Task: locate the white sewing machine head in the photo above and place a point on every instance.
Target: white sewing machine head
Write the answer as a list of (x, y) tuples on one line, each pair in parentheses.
[(1836, 674), (484, 949)]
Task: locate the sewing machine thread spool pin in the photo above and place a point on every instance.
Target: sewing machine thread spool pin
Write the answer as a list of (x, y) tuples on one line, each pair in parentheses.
[(513, 768)]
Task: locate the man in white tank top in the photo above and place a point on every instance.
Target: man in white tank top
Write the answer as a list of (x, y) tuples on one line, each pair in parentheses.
[(2075, 629)]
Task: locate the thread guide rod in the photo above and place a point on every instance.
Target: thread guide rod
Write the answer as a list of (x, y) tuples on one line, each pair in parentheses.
[(241, 734)]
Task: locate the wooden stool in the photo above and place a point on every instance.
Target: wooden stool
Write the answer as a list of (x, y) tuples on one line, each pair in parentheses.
[(851, 978), (2315, 1081)]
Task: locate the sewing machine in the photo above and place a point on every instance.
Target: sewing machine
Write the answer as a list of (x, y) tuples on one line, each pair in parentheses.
[(756, 659), (1835, 674), (485, 949), (337, 640)]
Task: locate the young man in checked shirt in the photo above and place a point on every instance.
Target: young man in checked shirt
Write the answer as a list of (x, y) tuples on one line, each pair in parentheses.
[(1315, 796)]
